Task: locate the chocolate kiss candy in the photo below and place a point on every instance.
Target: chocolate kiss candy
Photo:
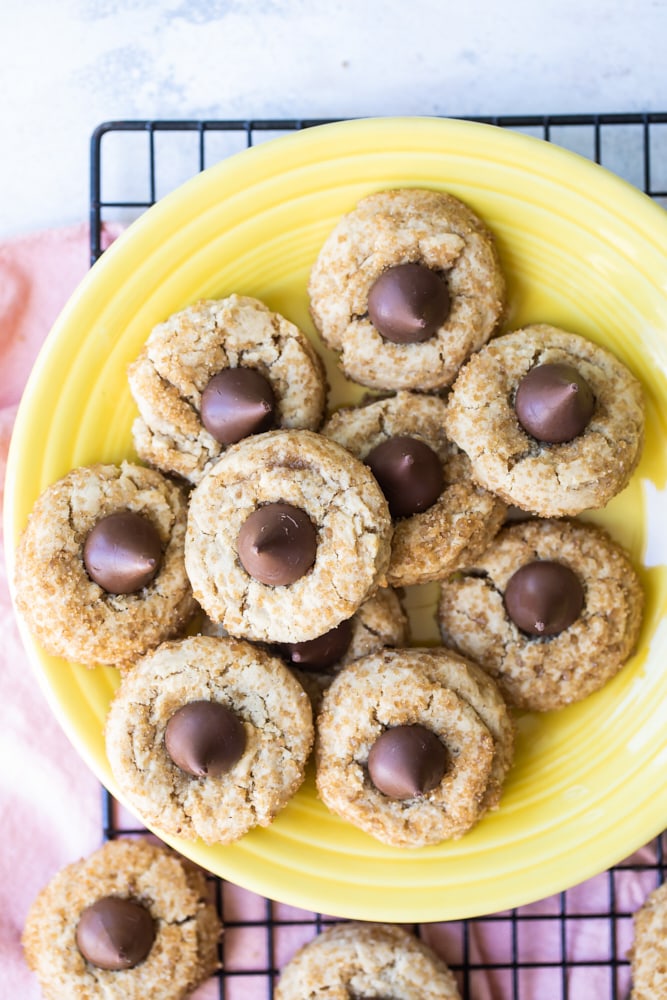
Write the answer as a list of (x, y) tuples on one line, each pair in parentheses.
[(204, 738), (544, 598), (407, 761), (115, 933), (277, 544), (554, 403), (408, 303), (237, 402), (322, 652), (122, 553), (409, 474)]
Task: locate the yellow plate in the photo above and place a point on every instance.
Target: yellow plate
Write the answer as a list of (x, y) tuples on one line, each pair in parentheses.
[(581, 249)]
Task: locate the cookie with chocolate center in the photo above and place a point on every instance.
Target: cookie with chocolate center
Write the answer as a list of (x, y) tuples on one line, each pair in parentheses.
[(442, 518), (287, 536), (100, 571), (551, 422), (551, 610), (406, 287), (215, 373), (132, 920)]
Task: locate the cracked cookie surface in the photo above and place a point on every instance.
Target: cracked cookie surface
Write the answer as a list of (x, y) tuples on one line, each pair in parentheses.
[(551, 480), (434, 688), (366, 960), (70, 614), (649, 950), (182, 354), (409, 225), (546, 673), (259, 689), (187, 927), (342, 500), (462, 521)]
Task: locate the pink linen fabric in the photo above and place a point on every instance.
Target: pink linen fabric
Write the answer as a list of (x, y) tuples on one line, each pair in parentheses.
[(50, 802)]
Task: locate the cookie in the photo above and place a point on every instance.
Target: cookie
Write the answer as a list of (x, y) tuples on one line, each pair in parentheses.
[(214, 373), (407, 286), (558, 630), (287, 535), (413, 745), (366, 960), (649, 951), (130, 921), (442, 519), (82, 601), (208, 738), (379, 622), (583, 410)]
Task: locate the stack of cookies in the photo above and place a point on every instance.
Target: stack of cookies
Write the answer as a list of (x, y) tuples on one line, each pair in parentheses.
[(287, 533)]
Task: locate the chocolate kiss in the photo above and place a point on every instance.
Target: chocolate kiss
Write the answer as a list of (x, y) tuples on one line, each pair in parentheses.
[(409, 473), (204, 738), (123, 552), (408, 303), (322, 652), (544, 598), (115, 933), (554, 403), (237, 402), (407, 761), (277, 544)]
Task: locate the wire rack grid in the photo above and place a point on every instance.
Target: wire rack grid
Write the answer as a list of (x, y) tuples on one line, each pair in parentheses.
[(571, 946)]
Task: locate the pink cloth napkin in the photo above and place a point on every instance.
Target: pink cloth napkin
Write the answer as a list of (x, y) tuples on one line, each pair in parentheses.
[(50, 802)]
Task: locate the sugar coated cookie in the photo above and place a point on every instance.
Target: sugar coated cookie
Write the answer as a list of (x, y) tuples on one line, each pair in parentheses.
[(100, 573), (442, 519), (413, 745), (551, 610), (209, 737), (216, 372), (380, 621), (366, 960), (287, 535), (130, 921), (406, 286), (649, 951), (551, 422)]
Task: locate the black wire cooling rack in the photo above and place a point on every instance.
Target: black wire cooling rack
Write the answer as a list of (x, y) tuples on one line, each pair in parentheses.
[(571, 946)]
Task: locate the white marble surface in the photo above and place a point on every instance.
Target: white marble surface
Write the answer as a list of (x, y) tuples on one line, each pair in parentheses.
[(66, 66)]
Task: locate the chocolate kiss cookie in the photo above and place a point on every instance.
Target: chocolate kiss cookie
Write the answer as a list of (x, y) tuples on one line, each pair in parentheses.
[(413, 745), (379, 622), (648, 954), (100, 571), (287, 536), (378, 961), (407, 285), (442, 518), (551, 422), (551, 610), (130, 921), (209, 737), (216, 372)]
